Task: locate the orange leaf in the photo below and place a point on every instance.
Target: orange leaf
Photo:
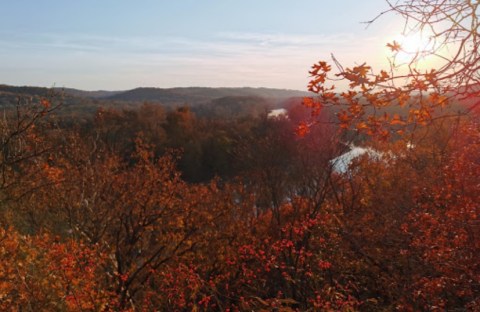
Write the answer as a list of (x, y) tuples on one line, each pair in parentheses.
[(45, 103), (302, 129), (394, 46), (397, 120)]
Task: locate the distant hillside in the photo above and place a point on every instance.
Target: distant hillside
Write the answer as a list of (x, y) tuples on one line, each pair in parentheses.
[(100, 94), (9, 95), (233, 107), (25, 90), (42, 91), (190, 95), (196, 95), (205, 102)]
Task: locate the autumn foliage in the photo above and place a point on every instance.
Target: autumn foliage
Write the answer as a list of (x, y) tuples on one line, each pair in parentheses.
[(152, 210), (96, 226)]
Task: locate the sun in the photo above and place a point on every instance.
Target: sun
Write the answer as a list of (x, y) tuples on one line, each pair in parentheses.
[(413, 48)]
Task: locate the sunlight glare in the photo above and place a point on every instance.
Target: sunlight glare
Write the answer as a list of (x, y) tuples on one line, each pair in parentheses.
[(414, 48)]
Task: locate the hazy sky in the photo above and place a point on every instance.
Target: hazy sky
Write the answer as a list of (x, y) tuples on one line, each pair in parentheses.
[(120, 44)]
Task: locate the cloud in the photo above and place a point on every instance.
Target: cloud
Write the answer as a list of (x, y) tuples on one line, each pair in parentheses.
[(277, 39)]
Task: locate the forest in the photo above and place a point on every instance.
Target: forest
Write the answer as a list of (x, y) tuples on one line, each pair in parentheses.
[(210, 203)]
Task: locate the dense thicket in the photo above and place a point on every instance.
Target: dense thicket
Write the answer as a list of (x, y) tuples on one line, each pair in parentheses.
[(154, 209), (221, 207)]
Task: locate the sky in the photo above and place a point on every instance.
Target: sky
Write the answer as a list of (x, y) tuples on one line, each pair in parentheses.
[(120, 44)]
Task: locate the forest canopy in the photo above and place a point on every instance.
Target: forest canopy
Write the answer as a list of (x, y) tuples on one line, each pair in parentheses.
[(134, 205)]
